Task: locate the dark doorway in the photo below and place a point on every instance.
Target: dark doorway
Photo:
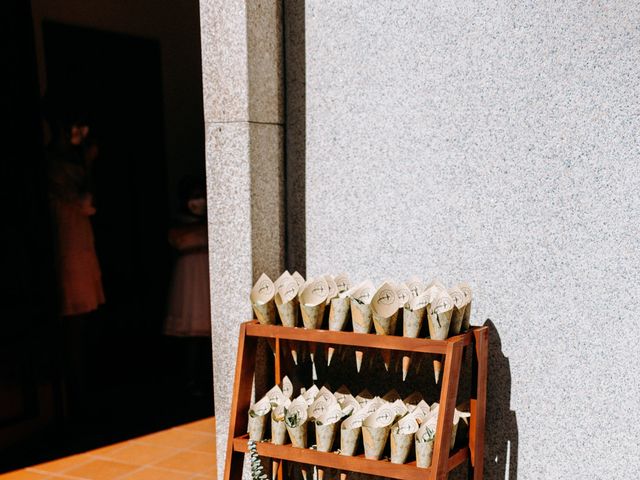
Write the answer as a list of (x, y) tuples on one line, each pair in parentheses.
[(133, 375)]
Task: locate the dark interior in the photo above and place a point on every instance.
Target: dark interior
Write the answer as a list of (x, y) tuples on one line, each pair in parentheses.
[(130, 377)]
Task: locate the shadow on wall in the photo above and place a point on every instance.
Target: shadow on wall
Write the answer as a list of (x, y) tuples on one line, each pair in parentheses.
[(295, 134), (501, 429)]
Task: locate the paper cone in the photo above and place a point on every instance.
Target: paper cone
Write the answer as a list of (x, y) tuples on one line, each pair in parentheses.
[(439, 316), (458, 310), (437, 369), (406, 362), (359, 355), (257, 426), (416, 286), (278, 432), (361, 316), (312, 315), (374, 439), (466, 289), (298, 435), (313, 296), (424, 452), (386, 358), (288, 310), (342, 282), (333, 288), (330, 351), (338, 313), (320, 473), (401, 444), (384, 310), (349, 441), (298, 278), (343, 476), (403, 294), (262, 301), (325, 436), (303, 471), (265, 313), (275, 464)]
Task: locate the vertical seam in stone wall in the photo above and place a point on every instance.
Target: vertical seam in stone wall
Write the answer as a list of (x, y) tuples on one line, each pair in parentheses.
[(285, 133)]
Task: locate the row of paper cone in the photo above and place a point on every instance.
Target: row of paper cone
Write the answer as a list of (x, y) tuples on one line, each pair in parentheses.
[(408, 425), (446, 310)]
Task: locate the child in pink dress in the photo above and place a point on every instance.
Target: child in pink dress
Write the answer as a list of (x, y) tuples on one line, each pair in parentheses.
[(189, 310), (188, 314)]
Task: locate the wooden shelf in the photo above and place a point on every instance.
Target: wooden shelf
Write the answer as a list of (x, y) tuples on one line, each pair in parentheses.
[(366, 340), (407, 471), (443, 460)]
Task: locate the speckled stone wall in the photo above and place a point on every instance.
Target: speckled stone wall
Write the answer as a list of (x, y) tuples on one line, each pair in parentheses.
[(498, 143), (243, 105)]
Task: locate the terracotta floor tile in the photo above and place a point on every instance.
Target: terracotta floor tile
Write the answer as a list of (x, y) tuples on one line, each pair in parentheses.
[(62, 464), (25, 475), (100, 470), (208, 446), (151, 473), (207, 425), (175, 437), (107, 449), (141, 454), (194, 462)]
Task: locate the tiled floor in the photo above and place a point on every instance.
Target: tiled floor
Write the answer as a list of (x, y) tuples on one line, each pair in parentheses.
[(181, 453)]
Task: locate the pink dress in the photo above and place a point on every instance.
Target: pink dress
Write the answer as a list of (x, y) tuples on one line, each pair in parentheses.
[(188, 312), (79, 271)]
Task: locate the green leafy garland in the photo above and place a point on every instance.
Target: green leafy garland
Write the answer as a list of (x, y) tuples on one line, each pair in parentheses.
[(257, 470)]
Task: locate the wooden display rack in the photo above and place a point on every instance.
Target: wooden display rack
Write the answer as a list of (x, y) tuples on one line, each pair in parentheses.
[(443, 459)]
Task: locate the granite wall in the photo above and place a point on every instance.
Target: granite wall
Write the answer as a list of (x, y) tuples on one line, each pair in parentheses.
[(497, 143)]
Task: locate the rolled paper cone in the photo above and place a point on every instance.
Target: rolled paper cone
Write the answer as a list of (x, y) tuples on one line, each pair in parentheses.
[(303, 471), (257, 426), (385, 325), (386, 358), (437, 369), (424, 452), (278, 432), (361, 316), (265, 312), (439, 324), (338, 313), (374, 439), (466, 290), (343, 476), (359, 355), (320, 474), (312, 315), (325, 436), (349, 441), (456, 321), (466, 317), (401, 444), (406, 362), (330, 351), (298, 435), (288, 311), (412, 322)]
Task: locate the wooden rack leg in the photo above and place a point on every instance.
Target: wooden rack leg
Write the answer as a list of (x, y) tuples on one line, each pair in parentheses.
[(448, 396), (245, 369), (478, 402)]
